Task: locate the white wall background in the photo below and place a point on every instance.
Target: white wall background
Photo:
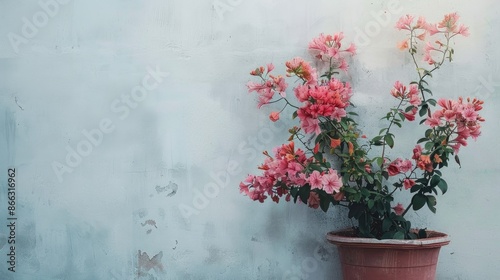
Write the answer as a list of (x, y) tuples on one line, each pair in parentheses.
[(139, 188)]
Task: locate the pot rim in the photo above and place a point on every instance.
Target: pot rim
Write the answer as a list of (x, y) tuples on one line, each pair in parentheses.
[(435, 239)]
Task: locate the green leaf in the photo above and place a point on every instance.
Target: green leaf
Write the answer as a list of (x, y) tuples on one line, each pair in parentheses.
[(418, 200), (443, 186), (409, 108), (377, 138), (415, 188), (324, 203), (406, 225), (412, 235), (429, 145), (388, 235), (294, 192), (435, 180), (304, 193), (457, 160), (294, 115), (422, 233), (350, 190), (386, 224), (319, 156), (431, 203), (432, 102), (389, 140), (369, 179), (399, 235), (423, 110), (422, 140), (370, 204)]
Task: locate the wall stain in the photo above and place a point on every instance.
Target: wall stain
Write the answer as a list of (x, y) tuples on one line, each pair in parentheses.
[(145, 264), (151, 223), (170, 189)]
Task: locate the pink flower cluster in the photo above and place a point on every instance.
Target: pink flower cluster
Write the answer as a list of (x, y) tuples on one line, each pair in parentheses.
[(448, 26), (270, 85), (399, 166), (302, 69), (410, 95), (286, 170), (327, 47), (460, 116), (328, 100)]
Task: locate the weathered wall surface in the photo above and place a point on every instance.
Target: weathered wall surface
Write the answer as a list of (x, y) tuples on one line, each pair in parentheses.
[(129, 128)]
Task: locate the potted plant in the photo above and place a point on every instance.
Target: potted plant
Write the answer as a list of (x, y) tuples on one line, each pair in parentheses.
[(329, 161)]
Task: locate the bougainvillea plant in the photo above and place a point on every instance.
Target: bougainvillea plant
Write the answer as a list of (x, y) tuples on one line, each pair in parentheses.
[(328, 161)]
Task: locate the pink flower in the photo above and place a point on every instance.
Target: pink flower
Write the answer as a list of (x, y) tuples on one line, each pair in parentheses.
[(464, 31), (368, 168), (399, 166), (432, 29), (351, 49), (421, 23), (417, 152), (338, 114), (339, 196), (405, 166), (316, 180), (393, 169), (258, 71), (410, 116), (404, 22), (274, 116), (408, 183), (313, 200), (403, 45), (311, 125), (450, 22), (301, 69), (399, 209), (469, 114), (279, 84), (398, 90), (331, 182), (428, 58), (325, 47), (343, 65), (433, 121), (270, 67), (302, 93)]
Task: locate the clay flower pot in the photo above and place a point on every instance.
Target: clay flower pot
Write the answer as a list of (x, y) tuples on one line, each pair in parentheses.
[(367, 258)]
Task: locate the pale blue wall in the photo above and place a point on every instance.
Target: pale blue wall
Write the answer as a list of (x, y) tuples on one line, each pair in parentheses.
[(194, 129)]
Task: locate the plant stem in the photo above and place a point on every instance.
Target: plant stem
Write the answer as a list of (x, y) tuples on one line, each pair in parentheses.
[(388, 129)]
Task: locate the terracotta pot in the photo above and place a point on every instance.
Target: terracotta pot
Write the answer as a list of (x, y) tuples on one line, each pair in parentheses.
[(373, 259)]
